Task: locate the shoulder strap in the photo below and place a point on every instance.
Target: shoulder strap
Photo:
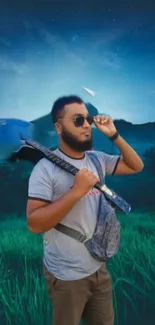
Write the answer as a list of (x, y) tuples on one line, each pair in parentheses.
[(95, 160), (72, 232)]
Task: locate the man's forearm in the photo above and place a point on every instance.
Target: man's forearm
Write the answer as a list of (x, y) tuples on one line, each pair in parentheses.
[(129, 155), (46, 217)]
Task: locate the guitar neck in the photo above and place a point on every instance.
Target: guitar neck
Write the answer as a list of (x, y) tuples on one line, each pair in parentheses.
[(53, 157), (109, 194)]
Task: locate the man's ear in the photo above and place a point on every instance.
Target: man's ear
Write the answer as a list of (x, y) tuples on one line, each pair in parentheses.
[(58, 127)]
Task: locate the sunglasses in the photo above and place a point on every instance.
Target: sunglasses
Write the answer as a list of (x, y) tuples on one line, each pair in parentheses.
[(79, 120)]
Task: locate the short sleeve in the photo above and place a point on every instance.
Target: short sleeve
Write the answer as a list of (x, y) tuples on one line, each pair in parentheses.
[(40, 185), (108, 162)]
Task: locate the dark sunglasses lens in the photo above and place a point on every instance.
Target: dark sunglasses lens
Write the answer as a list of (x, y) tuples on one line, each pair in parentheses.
[(79, 121), (89, 119)]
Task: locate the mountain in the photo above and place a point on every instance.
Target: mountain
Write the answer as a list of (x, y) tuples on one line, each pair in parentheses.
[(45, 122), (136, 189)]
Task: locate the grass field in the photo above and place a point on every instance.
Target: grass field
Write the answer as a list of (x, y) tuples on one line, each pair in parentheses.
[(23, 295)]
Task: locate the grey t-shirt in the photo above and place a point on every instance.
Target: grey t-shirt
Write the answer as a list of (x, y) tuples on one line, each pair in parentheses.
[(65, 257)]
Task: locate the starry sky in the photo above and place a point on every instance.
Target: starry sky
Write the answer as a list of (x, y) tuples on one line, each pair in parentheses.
[(50, 48)]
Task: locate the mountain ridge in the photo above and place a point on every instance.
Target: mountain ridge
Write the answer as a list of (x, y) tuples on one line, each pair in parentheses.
[(47, 118)]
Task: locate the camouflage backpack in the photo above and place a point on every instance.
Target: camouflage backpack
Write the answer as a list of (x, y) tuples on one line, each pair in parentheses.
[(106, 237)]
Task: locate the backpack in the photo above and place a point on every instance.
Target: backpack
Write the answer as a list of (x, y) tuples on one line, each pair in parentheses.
[(105, 240)]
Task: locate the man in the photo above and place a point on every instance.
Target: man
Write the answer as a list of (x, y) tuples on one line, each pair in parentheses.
[(79, 286)]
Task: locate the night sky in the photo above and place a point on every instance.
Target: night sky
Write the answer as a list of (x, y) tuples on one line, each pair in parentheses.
[(54, 48)]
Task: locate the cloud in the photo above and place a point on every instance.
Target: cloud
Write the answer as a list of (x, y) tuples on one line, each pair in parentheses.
[(103, 48), (83, 51), (92, 48), (55, 41), (7, 64), (62, 49), (106, 38), (111, 60), (5, 42)]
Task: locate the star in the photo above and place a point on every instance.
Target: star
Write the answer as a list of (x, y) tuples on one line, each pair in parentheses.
[(74, 38)]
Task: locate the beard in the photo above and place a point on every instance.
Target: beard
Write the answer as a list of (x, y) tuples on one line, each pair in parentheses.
[(75, 144)]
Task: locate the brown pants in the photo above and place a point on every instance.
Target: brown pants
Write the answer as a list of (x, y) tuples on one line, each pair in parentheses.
[(89, 299)]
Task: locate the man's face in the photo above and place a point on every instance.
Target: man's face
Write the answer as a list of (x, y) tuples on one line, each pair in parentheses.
[(78, 138)]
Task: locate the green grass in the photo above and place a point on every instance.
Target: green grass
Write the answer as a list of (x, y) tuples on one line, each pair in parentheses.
[(23, 295)]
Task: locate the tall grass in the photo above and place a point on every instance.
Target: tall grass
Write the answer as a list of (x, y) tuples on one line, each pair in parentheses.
[(23, 294)]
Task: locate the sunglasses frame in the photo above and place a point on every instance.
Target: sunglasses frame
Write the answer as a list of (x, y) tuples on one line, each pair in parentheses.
[(88, 118)]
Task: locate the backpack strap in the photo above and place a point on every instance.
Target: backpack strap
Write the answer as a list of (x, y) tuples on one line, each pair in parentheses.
[(75, 234), (70, 231), (104, 204), (96, 162), (93, 156)]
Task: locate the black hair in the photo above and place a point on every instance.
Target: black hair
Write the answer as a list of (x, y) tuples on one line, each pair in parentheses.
[(59, 104)]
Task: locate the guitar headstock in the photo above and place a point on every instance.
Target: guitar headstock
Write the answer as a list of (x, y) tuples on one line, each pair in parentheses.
[(26, 153)]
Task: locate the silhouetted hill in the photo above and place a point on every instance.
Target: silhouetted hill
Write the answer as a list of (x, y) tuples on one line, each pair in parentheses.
[(45, 122), (135, 189), (123, 124)]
